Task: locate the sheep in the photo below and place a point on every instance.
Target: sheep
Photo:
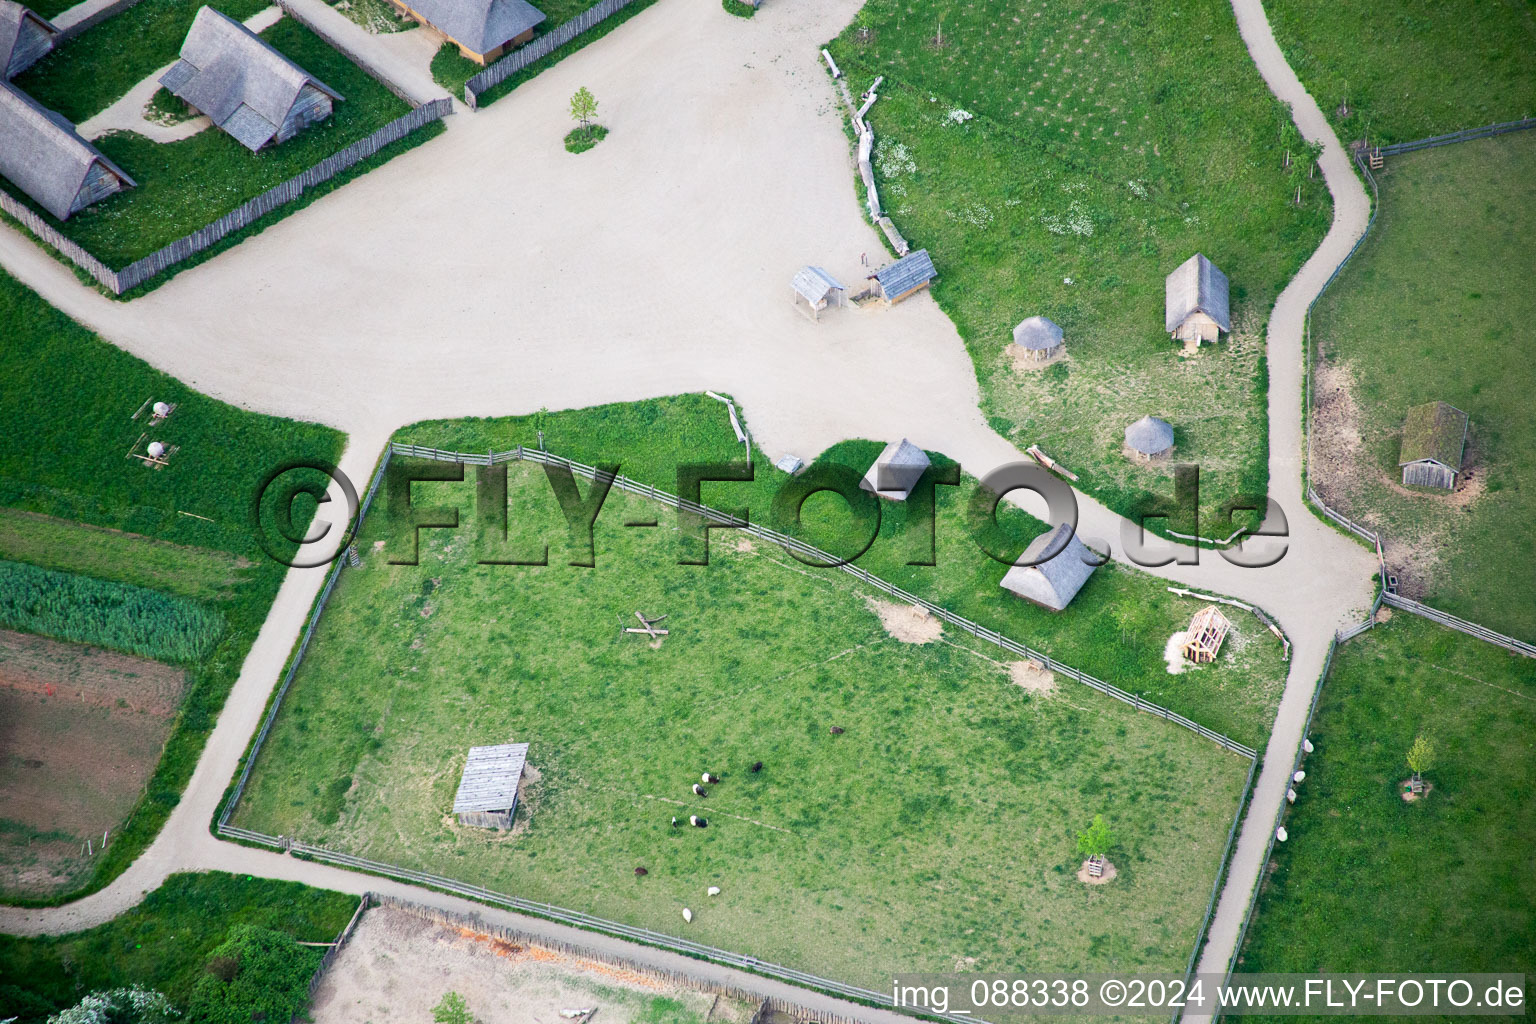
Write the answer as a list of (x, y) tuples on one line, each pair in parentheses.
[(706, 777), (697, 822), (675, 822), (699, 790), (837, 730), (714, 890), (641, 872), (687, 915), (757, 766)]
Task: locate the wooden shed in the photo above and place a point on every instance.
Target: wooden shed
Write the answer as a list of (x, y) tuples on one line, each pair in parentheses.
[(487, 796), (1149, 438), (248, 89), (43, 155), (1196, 304), (1054, 582), (1434, 439), (1207, 630), (483, 30), (818, 289), (911, 273), (897, 469), (25, 36), (1038, 339)]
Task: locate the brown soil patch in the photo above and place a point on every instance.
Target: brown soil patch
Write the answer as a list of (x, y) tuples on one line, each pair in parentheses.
[(398, 965), (1384, 614), (1018, 358), (1336, 445), (87, 675), (1409, 796), (908, 623), (1108, 876), (744, 545), (1033, 677)]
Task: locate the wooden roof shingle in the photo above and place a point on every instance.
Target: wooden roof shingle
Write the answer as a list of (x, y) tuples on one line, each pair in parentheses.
[(43, 155), (912, 270), (813, 284), (1196, 285), (490, 778)]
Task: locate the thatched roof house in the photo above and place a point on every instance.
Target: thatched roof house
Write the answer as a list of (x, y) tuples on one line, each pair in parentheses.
[(246, 87), (25, 36), (1054, 582), (818, 288), (1038, 338), (908, 274), (487, 794), (41, 154), (1434, 439), (1196, 301), (482, 29), (1207, 630), (896, 471), (1149, 438)]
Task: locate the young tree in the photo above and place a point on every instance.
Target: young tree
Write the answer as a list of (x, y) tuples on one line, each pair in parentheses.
[(1096, 839), (120, 1006), (1421, 756), (584, 106), (452, 1009)]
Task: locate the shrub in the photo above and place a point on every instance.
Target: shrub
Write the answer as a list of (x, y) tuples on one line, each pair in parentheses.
[(270, 981)]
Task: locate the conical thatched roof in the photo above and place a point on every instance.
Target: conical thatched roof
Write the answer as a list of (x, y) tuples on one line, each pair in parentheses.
[(1149, 435), (1037, 334)]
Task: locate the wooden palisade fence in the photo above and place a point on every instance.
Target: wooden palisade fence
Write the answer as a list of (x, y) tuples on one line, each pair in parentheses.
[(539, 48)]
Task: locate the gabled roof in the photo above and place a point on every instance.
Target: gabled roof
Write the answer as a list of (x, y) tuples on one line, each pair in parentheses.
[(15, 20), (490, 778), (1055, 581), (231, 74), (813, 284), (1149, 435), (913, 269), (480, 25), (42, 154), (1196, 286), (896, 470), (1434, 432), (1037, 334)]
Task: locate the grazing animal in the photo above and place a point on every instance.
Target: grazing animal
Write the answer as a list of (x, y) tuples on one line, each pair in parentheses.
[(757, 766), (714, 890), (709, 778), (837, 730), (697, 822), (687, 915), (699, 790), (675, 822), (641, 872)]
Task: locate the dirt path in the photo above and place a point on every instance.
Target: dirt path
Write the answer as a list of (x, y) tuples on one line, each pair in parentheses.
[(657, 263)]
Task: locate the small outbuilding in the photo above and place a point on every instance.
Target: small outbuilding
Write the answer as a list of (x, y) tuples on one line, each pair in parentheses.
[(1434, 440), (43, 155), (1038, 339), (1054, 582), (912, 272), (483, 30), (896, 471), (248, 89), (1196, 301), (487, 796), (819, 289), (1207, 630), (25, 37), (1149, 438)]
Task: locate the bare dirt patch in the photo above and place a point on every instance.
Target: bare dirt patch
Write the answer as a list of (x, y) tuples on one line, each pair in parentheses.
[(908, 623), (1019, 359), (1033, 677), (87, 676), (398, 965), (1409, 796), (1110, 871)]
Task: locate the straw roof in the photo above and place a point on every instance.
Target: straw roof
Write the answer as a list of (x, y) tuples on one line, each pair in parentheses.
[(1149, 435), (1196, 286), (1055, 581), (25, 35), (490, 779), (43, 155), (480, 25), (1037, 334), (1434, 432)]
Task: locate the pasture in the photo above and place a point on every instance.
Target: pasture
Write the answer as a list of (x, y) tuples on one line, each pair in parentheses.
[(1061, 160), (1436, 306), (934, 831), (1369, 882)]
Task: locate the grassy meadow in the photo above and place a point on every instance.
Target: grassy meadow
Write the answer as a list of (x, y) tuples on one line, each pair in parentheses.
[(1369, 882), (1410, 69), (72, 502), (939, 826), (1437, 306), (1062, 159)]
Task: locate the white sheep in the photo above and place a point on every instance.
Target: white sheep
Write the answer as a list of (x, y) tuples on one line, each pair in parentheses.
[(687, 915)]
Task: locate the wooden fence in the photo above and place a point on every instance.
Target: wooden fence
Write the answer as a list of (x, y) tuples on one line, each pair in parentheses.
[(1465, 135), (1509, 643), (139, 271), (90, 22), (333, 952), (539, 48)]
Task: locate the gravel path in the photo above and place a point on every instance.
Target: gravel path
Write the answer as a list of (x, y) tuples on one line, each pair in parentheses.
[(488, 272)]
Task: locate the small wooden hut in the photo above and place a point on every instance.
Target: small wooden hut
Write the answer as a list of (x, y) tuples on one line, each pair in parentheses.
[(1196, 301), (818, 289), (1149, 438), (896, 471), (1064, 565), (25, 36), (911, 273), (1202, 642), (1434, 440), (1038, 339), (487, 796)]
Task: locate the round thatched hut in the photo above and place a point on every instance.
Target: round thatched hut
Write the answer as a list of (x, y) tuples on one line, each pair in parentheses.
[(1038, 339), (1149, 438)]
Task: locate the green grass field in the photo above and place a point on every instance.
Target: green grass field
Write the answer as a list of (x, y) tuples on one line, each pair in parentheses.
[(938, 827), (1411, 68), (1368, 882), (163, 943), (1436, 306), (73, 502), (185, 185), (1104, 146)]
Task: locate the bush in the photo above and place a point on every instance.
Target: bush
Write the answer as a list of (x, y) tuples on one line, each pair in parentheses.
[(269, 983), (579, 140), (121, 1006), (106, 614)]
